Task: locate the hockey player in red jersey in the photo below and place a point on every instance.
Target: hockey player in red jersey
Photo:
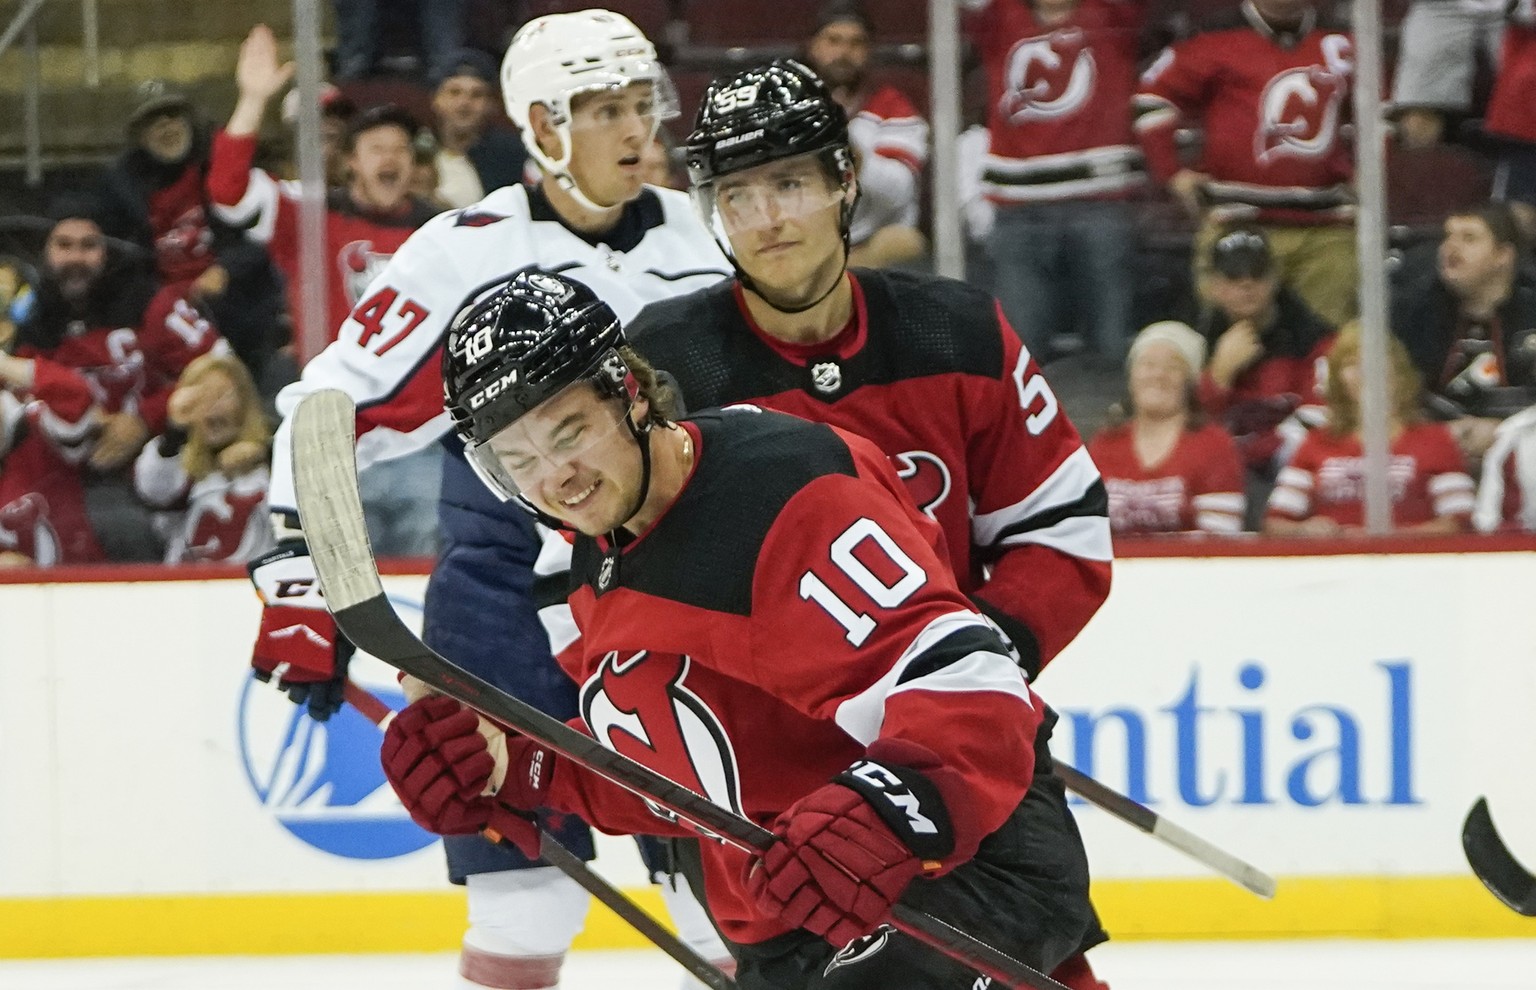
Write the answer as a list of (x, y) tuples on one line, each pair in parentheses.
[(926, 367), (767, 618), (1271, 94)]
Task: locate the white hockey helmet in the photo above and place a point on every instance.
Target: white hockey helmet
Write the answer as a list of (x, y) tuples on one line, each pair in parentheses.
[(555, 57)]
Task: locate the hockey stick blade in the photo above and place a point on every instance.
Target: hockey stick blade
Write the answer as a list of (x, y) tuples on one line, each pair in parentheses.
[(1494, 864), (557, 855), (331, 512), (1140, 816)]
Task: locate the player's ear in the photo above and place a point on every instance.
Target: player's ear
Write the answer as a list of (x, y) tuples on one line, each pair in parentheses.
[(542, 122)]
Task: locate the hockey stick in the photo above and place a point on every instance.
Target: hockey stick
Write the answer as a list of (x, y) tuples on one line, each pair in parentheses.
[(1140, 816), (330, 508), (553, 852), (1494, 864)]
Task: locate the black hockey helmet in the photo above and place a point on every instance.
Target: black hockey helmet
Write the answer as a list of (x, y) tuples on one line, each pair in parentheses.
[(765, 114), (520, 340)]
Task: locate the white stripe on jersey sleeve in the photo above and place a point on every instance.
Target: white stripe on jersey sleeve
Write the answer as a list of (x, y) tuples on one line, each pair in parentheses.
[(1291, 502), (259, 204), (1068, 483), (863, 715), (555, 558), (1086, 537)]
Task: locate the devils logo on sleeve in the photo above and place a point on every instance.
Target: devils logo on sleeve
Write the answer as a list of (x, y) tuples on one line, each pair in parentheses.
[(926, 477), (639, 704)]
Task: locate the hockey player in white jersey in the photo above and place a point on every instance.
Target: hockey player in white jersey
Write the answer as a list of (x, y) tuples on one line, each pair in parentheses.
[(587, 92)]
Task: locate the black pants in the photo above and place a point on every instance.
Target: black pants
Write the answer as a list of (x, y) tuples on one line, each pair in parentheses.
[(1025, 892)]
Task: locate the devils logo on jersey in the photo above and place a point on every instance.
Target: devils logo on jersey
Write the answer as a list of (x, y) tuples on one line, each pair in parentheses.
[(927, 479), (359, 264), (1301, 109), (219, 527), (640, 706), (1048, 76), (25, 529)]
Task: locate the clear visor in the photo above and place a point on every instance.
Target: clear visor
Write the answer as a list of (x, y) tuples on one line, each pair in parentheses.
[(614, 107), (546, 448), (768, 195)]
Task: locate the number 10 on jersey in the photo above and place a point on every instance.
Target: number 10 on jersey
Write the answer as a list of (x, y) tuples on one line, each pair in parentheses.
[(858, 625)]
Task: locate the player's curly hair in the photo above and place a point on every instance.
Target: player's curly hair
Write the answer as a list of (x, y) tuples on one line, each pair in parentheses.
[(662, 401)]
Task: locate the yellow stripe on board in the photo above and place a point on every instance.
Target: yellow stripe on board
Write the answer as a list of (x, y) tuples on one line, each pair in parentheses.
[(263, 924)]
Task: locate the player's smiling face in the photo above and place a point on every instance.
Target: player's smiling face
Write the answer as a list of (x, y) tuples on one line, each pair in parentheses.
[(573, 458), (609, 134), (783, 223)]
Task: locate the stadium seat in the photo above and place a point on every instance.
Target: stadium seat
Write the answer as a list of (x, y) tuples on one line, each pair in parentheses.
[(650, 16), (743, 23)]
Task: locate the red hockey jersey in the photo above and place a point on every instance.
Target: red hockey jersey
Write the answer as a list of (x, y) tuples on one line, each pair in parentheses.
[(790, 608), (1512, 105), (1326, 477), (1198, 487), (1272, 114), (357, 244), (42, 499), (930, 371), (1060, 101)]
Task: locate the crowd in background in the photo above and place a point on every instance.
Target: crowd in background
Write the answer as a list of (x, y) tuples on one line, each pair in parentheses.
[(1160, 196)]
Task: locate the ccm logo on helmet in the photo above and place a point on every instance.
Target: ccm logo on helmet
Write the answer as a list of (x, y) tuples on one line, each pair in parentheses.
[(494, 389)]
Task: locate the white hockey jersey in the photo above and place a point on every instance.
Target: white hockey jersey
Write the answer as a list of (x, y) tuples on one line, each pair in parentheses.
[(388, 353)]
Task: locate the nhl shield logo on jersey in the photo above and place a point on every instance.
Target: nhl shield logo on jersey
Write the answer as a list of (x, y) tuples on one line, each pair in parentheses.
[(827, 376)]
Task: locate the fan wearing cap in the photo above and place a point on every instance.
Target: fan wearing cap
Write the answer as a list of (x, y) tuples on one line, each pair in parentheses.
[(365, 222), (473, 158), (1267, 347), (889, 138), (1167, 469)]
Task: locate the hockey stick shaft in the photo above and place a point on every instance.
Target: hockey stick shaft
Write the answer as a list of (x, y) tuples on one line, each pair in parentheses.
[(330, 508), (1494, 864), (553, 852), (1140, 816)]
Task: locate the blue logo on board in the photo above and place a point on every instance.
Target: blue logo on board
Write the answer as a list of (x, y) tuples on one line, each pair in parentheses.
[(322, 780)]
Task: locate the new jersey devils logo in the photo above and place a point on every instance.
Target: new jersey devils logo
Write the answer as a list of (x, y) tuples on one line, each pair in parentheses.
[(1300, 109), (1049, 76), (639, 705), (221, 527), (359, 263), (927, 478), (25, 529)]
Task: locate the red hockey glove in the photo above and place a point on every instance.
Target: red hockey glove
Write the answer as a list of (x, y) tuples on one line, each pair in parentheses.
[(440, 765), (848, 850), (298, 643)]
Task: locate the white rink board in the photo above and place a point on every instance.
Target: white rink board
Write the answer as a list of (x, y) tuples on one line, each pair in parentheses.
[(134, 757)]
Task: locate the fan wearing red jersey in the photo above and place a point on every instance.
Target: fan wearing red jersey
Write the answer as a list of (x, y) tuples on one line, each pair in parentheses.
[(768, 619), (43, 522), (927, 368), (1165, 468), (1321, 492), (1270, 92)]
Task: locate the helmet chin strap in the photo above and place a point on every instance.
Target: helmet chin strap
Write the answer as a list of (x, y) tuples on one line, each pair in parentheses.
[(749, 284)]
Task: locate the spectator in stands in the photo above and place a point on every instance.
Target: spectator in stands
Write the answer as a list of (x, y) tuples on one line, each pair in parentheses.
[(1469, 321), (473, 158), (1168, 469), (364, 222), (1061, 165), (336, 113), (1512, 115), (441, 25), (1439, 45), (1271, 93), (99, 315), (16, 297), (1267, 349), (153, 196), (43, 520), (207, 473), (888, 135), (1321, 491)]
